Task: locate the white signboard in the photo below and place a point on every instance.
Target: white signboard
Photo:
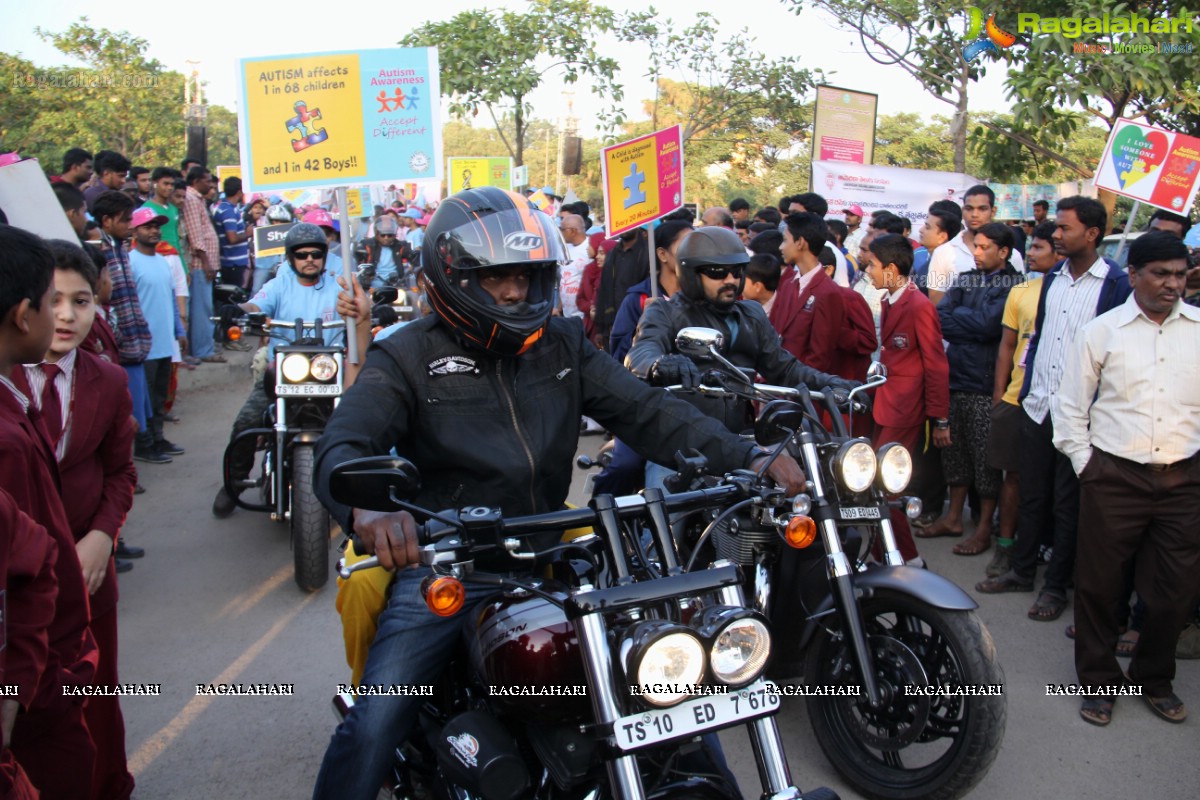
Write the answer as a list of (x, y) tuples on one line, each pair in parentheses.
[(904, 192)]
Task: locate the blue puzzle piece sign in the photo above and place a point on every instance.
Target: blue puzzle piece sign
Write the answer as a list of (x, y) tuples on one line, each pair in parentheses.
[(633, 186)]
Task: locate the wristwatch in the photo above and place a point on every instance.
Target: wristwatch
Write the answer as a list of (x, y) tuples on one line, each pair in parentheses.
[(942, 424)]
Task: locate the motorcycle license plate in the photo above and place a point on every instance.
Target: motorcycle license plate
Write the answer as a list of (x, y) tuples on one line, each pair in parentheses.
[(859, 512), (701, 714), (307, 389)]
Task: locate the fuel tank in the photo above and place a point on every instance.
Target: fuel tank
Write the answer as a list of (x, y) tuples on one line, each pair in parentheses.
[(529, 657)]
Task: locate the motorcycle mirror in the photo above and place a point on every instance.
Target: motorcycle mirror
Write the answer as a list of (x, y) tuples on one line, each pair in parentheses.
[(776, 419), (386, 295), (372, 482), (698, 342), (876, 370)]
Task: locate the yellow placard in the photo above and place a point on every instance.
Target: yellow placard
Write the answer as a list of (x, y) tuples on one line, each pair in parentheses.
[(306, 124), (227, 172), (355, 202), (471, 173)]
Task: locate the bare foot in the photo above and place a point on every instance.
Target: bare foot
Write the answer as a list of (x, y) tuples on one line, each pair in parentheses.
[(942, 527), (974, 546)]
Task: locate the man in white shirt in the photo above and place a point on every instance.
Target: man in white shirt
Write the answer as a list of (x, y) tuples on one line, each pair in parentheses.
[(571, 278), (1126, 416), (937, 235)]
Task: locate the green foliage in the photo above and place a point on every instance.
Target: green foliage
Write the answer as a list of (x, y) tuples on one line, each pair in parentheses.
[(494, 59), (120, 100)]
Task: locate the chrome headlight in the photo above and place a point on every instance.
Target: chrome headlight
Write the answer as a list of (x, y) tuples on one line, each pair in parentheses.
[(324, 367), (741, 643), (295, 367), (895, 468), (665, 660), (855, 465)]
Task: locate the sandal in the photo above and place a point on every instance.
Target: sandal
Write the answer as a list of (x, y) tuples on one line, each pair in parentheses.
[(215, 358), (1005, 583), (972, 548), (1097, 710), (1127, 644), (1170, 708), (1070, 631), (1048, 607)]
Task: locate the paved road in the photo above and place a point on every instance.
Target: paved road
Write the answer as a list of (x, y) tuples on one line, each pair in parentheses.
[(214, 601)]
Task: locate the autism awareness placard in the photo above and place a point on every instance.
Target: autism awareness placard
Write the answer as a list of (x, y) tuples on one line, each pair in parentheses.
[(333, 119), (1156, 166), (643, 179)]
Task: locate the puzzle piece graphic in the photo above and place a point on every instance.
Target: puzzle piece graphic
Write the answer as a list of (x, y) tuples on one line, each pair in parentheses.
[(633, 185), (300, 124)]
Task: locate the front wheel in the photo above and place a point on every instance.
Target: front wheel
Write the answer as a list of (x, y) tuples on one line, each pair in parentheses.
[(920, 743), (310, 524)]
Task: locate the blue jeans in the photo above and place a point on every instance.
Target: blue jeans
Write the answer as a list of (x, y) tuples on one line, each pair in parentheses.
[(200, 308), (411, 648), (139, 393)]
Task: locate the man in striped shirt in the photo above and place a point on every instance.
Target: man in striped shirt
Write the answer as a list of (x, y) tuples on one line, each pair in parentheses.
[(1080, 288)]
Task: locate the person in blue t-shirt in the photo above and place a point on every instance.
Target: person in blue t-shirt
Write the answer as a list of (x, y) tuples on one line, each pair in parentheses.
[(235, 239), (307, 294)]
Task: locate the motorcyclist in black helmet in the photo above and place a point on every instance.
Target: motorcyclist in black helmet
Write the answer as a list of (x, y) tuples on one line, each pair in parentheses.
[(484, 396), (307, 293), (712, 263)]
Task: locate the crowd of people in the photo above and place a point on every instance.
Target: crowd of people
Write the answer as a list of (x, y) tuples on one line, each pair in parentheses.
[(1034, 382)]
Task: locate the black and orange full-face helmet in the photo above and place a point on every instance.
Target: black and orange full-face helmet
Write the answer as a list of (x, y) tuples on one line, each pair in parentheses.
[(491, 227)]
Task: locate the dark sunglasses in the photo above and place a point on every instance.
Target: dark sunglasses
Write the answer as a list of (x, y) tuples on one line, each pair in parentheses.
[(719, 272), (387, 236), (307, 255)]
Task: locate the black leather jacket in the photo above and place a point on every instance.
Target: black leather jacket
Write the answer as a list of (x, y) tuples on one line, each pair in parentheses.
[(502, 432), (756, 345)]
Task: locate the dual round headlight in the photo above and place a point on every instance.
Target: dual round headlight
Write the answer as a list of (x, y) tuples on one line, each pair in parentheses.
[(857, 465), (297, 367), (666, 658)]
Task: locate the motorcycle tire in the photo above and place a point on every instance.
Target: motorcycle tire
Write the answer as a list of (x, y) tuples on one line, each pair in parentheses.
[(310, 524), (916, 746)]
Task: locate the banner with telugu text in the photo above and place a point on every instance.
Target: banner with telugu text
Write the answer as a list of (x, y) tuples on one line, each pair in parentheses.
[(335, 119), (904, 192)]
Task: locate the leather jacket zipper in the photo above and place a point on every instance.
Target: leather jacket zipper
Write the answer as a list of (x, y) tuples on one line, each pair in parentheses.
[(512, 411)]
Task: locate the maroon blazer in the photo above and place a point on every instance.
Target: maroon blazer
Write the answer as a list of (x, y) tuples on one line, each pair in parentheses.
[(27, 555), (29, 472), (97, 471), (101, 340), (811, 323), (918, 384)]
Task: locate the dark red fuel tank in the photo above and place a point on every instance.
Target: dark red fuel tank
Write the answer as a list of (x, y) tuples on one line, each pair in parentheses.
[(527, 653)]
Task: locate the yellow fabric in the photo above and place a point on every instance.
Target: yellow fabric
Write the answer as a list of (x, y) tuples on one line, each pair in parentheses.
[(1020, 314), (361, 599)]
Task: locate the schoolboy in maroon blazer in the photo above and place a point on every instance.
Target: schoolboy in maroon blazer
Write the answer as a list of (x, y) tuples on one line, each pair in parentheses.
[(812, 310), (29, 590), (918, 375), (50, 739), (94, 452)]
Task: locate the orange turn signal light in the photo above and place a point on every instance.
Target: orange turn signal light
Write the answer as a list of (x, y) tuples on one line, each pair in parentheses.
[(443, 595), (801, 531), (234, 333)]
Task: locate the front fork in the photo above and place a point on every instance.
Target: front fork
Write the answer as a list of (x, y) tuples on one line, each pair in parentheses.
[(282, 482), (841, 575)]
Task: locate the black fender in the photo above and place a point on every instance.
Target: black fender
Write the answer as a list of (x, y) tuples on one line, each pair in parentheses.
[(305, 437), (928, 587)]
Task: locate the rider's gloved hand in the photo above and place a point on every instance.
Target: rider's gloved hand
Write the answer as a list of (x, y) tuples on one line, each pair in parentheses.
[(229, 312), (675, 368), (392, 536), (840, 389)]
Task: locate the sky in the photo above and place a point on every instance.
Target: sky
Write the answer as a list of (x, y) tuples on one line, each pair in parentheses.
[(264, 29)]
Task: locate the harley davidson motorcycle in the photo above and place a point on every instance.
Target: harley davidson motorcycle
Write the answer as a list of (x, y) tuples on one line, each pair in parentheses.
[(929, 713), (306, 386), (651, 660)]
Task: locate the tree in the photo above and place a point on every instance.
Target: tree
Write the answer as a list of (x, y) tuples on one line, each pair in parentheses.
[(727, 85), (494, 59), (120, 100), (1049, 77), (919, 36)]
